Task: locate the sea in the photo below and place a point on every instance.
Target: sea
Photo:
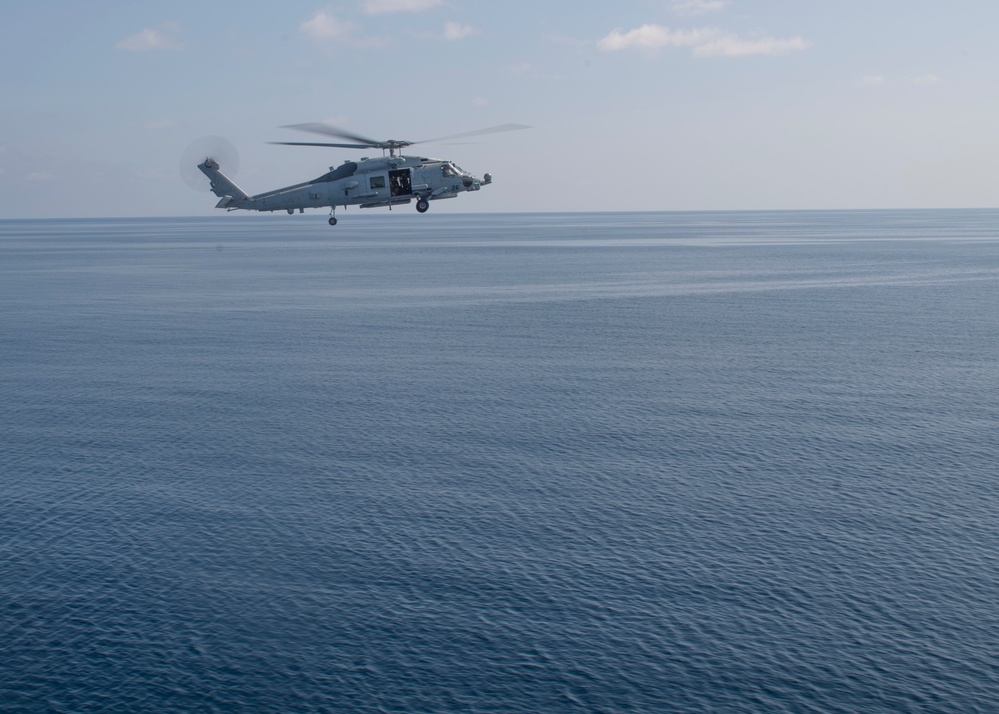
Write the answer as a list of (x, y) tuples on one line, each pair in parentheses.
[(603, 462)]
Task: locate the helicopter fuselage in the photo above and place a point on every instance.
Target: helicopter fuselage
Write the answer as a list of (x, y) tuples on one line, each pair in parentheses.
[(368, 183)]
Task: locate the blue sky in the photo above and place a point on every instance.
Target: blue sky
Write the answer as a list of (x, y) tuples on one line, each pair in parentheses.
[(634, 104)]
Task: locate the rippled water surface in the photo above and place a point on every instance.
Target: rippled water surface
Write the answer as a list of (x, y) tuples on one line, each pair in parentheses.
[(503, 463)]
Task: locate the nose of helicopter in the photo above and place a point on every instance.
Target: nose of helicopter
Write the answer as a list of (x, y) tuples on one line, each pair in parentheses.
[(471, 182), (474, 183)]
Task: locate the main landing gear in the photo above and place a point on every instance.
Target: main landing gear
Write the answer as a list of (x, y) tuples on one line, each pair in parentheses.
[(422, 205), (332, 217)]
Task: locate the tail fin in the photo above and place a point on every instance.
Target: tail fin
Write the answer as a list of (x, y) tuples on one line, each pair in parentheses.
[(222, 186)]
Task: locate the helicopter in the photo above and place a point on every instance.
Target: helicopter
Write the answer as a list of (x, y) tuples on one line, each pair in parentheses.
[(386, 181)]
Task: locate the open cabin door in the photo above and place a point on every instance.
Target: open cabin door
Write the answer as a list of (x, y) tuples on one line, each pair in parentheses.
[(401, 182)]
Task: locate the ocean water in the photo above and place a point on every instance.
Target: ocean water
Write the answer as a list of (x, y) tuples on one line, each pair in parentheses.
[(654, 462)]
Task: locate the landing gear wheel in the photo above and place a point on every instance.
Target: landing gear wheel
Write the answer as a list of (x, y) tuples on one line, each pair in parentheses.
[(332, 221), (422, 205)]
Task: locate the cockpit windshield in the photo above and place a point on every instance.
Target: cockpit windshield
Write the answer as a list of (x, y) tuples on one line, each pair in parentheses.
[(449, 169)]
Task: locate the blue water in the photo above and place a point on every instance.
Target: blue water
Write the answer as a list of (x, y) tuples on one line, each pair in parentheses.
[(503, 463)]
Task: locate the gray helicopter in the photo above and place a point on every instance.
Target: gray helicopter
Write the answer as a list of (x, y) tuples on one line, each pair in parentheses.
[(389, 180)]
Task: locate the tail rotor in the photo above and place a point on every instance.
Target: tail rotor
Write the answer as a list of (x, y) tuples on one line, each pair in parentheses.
[(215, 149)]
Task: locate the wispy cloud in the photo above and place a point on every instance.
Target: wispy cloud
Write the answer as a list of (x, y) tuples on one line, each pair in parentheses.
[(697, 7), (871, 80), (38, 176), (480, 102), (926, 79), (457, 31), (382, 7), (147, 40), (654, 37), (703, 42), (323, 26), (728, 45), (327, 28)]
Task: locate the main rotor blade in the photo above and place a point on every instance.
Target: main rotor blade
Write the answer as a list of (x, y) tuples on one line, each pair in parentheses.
[(365, 142), (329, 130), (313, 143), (477, 132)]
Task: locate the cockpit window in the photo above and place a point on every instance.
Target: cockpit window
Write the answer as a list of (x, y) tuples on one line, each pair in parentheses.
[(448, 170)]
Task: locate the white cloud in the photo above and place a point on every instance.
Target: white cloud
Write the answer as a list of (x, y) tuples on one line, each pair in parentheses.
[(704, 42), (457, 31), (38, 176), (871, 80), (925, 79), (522, 68), (148, 40), (733, 46), (323, 26), (480, 102), (653, 37), (382, 7), (697, 7)]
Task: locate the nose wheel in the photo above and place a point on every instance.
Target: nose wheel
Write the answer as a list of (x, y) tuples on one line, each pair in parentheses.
[(422, 205)]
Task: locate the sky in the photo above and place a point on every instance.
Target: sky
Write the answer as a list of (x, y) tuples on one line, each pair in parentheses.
[(650, 105)]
